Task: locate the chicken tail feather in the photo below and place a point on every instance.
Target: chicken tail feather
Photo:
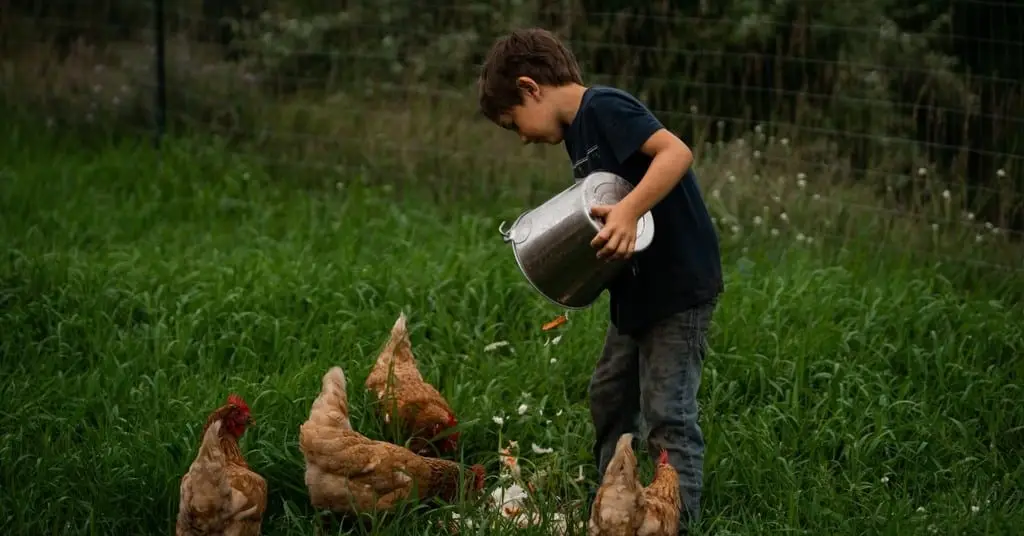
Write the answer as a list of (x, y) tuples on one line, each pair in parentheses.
[(400, 328), (331, 406), (399, 342), (623, 462)]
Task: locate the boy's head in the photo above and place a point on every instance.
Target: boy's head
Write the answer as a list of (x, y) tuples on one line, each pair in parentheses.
[(517, 79)]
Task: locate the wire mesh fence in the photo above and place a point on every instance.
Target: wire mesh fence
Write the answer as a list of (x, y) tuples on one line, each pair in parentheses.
[(899, 121)]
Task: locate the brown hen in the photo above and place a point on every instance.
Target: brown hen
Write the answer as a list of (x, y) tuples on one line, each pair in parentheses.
[(662, 502), (396, 383), (220, 494), (347, 472), (618, 508)]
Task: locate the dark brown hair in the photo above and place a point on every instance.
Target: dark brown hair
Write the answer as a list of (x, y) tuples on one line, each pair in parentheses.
[(533, 52)]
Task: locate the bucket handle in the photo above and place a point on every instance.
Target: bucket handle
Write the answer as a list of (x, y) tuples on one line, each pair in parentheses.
[(506, 234)]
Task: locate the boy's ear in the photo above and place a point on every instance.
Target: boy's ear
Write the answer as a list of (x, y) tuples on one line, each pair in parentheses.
[(528, 86)]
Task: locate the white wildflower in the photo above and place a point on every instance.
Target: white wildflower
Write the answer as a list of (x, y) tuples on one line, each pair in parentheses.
[(801, 183), (979, 238), (757, 154), (732, 178), (537, 449), (784, 141), (735, 229), (800, 237), (757, 221), (553, 361), (922, 171), (1000, 173), (945, 194), (920, 509), (495, 345), (784, 217), (885, 480), (775, 232), (969, 216), (975, 509), (498, 420), (816, 197), (935, 227), (716, 194), (558, 413), (801, 176), (522, 409)]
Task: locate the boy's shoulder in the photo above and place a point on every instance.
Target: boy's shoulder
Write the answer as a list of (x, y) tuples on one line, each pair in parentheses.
[(607, 99), (614, 120)]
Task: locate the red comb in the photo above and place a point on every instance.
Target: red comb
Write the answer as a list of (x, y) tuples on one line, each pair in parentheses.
[(236, 400), (663, 457)]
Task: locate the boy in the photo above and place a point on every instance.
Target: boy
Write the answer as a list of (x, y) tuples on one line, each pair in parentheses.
[(662, 303)]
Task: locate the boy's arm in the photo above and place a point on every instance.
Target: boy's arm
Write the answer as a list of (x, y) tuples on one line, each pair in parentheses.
[(629, 127), (670, 160)]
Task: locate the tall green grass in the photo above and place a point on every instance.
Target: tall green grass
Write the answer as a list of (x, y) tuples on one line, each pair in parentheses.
[(843, 394)]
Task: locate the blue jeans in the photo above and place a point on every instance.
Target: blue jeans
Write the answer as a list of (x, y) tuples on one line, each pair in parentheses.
[(656, 375)]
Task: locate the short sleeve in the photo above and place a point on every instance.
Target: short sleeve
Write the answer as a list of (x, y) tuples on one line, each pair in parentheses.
[(625, 123)]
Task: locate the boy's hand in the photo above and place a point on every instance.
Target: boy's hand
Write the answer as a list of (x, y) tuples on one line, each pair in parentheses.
[(617, 238)]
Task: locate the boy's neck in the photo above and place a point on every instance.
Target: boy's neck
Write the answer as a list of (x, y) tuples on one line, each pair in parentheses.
[(567, 100)]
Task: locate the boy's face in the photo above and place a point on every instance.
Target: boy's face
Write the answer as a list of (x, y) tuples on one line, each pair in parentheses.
[(536, 119)]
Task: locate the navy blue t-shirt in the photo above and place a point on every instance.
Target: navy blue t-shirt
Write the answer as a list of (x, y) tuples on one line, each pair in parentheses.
[(682, 267)]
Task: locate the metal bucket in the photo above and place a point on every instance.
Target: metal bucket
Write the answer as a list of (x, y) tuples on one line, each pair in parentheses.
[(552, 242)]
